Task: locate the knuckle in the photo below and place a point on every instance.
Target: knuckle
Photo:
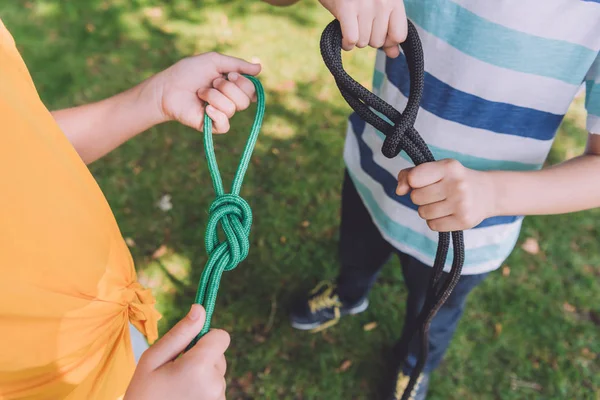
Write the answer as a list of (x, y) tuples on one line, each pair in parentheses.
[(432, 225), (461, 187), (415, 197), (212, 55), (422, 212), (455, 167)]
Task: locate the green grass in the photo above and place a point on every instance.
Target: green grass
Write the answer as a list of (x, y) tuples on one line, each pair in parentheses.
[(532, 333)]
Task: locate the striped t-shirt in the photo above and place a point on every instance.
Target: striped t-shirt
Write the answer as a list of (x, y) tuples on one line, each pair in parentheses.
[(500, 76)]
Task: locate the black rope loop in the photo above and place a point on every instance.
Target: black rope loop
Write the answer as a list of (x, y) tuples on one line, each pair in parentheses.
[(401, 135)]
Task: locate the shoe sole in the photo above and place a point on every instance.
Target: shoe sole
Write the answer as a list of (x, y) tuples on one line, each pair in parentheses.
[(353, 311)]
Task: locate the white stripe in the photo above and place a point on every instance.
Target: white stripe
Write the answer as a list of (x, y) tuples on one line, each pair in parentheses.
[(490, 82), (593, 124), (473, 141), (406, 216), (575, 20)]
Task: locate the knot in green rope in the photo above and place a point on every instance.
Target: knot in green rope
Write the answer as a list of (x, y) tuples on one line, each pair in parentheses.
[(235, 216), (229, 211)]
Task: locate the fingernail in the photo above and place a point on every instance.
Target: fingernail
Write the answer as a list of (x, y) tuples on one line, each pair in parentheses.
[(210, 109), (195, 312), (233, 76)]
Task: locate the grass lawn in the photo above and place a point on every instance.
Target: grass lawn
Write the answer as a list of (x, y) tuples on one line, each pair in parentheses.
[(532, 330)]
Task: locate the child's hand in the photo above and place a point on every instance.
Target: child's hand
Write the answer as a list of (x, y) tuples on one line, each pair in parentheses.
[(450, 197), (199, 374), (375, 23), (182, 91)]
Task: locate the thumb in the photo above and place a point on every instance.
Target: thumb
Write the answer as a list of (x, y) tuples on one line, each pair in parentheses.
[(227, 64), (403, 187), (212, 346), (176, 340)]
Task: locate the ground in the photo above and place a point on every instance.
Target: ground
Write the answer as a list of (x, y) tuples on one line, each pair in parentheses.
[(532, 328)]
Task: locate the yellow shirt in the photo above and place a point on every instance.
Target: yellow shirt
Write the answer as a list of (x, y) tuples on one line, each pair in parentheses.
[(68, 286)]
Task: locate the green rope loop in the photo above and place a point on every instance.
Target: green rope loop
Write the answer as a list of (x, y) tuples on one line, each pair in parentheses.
[(231, 212)]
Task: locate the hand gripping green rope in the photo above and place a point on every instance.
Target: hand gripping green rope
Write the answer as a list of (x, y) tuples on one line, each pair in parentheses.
[(230, 211)]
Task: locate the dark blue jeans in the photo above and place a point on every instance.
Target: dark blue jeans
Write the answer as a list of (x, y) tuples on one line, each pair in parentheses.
[(363, 252)]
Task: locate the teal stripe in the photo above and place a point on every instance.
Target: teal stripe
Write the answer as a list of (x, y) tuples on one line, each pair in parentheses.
[(473, 162), (378, 77), (469, 161), (499, 45), (592, 98), (422, 243)]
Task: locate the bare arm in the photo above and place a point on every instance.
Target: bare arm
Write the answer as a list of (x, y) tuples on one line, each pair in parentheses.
[(179, 93), (452, 197), (573, 185), (98, 128)]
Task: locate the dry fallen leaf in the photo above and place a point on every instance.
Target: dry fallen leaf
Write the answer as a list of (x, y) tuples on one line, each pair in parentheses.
[(569, 308), (345, 366), (283, 239), (498, 329), (161, 251), (370, 326), (506, 270), (130, 242), (531, 246), (305, 224)]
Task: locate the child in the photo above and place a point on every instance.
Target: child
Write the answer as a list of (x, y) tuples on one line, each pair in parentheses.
[(68, 286), (499, 78)]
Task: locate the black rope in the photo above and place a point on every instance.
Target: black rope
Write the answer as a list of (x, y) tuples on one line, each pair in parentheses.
[(401, 135)]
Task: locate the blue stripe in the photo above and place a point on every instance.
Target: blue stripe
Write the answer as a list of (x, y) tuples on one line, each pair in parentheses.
[(389, 181), (592, 1), (464, 108), (422, 243), (469, 161), (592, 97), (499, 45)]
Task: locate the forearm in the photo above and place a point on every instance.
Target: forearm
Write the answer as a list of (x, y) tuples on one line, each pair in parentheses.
[(568, 187), (98, 128)]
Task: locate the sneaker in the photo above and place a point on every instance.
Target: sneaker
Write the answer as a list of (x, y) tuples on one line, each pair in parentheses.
[(419, 392), (323, 309)]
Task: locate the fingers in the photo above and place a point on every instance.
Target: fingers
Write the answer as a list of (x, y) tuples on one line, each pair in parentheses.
[(211, 347), (436, 210), (239, 98), (365, 25), (225, 64), (218, 100), (445, 224), (349, 23), (378, 31), (221, 365), (428, 194), (391, 48), (403, 187), (244, 84), (224, 389), (397, 26), (426, 174), (176, 340), (219, 119)]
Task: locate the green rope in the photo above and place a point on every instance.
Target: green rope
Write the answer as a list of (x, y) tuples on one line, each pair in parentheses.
[(231, 212)]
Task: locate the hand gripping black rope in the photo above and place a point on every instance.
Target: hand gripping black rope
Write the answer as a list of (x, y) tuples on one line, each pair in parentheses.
[(401, 135)]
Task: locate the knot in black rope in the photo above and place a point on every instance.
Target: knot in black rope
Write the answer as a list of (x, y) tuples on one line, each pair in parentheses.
[(401, 135)]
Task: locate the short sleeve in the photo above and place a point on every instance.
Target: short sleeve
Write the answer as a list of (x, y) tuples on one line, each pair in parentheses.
[(592, 97)]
